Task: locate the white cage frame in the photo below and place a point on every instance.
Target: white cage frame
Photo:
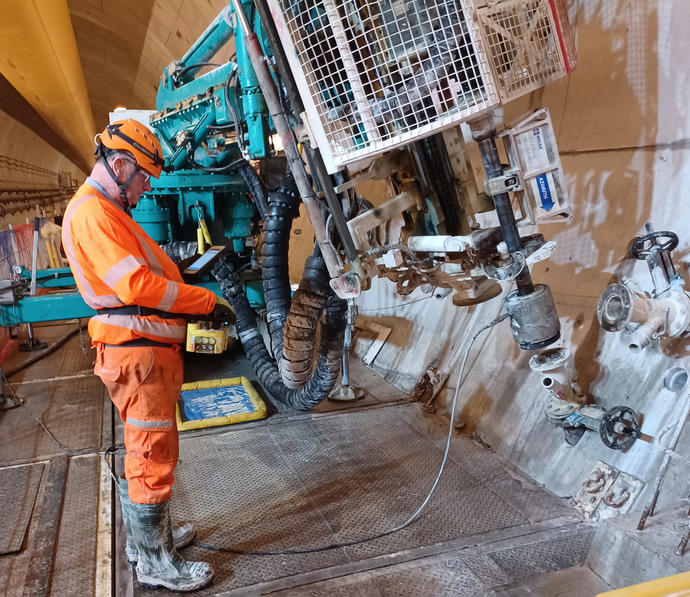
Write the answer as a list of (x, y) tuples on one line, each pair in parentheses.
[(377, 74)]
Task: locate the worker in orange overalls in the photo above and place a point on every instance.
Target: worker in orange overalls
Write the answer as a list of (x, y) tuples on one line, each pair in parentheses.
[(138, 293)]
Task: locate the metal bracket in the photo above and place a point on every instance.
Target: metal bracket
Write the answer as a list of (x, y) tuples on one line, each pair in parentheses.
[(8, 293), (593, 488), (509, 271), (382, 332), (509, 181)]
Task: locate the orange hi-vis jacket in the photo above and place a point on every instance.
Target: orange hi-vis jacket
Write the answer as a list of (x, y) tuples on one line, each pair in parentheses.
[(115, 263)]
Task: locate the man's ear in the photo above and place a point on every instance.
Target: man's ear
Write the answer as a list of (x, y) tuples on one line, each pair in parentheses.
[(117, 165)]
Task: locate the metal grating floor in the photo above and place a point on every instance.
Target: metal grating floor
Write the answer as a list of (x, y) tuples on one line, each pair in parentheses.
[(71, 409), (58, 556), (293, 481), (18, 490), (75, 553), (470, 571), (14, 567), (339, 477), (69, 359), (62, 392)]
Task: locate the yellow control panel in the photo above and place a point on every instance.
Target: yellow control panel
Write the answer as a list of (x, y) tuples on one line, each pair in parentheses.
[(201, 337)]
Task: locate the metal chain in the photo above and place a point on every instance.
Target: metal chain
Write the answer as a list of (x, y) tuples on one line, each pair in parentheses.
[(81, 340)]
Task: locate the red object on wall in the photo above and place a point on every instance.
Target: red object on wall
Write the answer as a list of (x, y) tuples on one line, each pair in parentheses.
[(566, 37)]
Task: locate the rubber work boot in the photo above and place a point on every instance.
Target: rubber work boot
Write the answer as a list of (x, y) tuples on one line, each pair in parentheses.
[(183, 534), (159, 564)]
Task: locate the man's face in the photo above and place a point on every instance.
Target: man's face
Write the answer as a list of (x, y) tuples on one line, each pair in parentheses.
[(140, 182)]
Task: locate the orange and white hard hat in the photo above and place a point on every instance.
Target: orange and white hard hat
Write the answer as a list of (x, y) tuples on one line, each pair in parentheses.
[(132, 136)]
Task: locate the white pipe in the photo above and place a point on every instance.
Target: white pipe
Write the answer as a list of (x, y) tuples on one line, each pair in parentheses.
[(439, 244), (555, 388), (643, 335), (34, 257)]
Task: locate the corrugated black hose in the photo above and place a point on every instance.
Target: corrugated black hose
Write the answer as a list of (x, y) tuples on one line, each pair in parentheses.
[(292, 323), (324, 376), (274, 263), (254, 184), (299, 334), (179, 250)]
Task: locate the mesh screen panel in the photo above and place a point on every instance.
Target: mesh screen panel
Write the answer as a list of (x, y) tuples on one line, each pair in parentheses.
[(376, 74), (384, 72), (522, 40)]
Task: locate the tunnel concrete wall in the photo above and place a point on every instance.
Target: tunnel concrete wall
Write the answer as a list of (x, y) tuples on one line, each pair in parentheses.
[(622, 128)]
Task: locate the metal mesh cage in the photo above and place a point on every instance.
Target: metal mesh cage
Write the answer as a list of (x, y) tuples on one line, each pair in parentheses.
[(376, 74), (382, 73), (522, 40)]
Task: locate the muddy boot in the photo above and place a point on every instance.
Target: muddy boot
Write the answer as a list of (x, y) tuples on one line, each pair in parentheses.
[(183, 534), (159, 564)]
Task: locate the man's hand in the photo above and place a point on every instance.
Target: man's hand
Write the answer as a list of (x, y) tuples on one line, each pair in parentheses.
[(222, 311)]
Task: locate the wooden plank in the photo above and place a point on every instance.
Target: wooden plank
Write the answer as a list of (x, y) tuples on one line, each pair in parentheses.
[(40, 572), (104, 551)]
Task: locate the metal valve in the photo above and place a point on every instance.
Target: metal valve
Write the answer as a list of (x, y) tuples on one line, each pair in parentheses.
[(667, 313)]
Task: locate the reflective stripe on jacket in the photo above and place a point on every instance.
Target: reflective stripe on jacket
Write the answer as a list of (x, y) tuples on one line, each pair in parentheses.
[(116, 263)]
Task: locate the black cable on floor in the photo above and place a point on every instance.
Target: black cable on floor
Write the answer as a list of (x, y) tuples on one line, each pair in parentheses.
[(114, 449), (45, 352), (414, 516)]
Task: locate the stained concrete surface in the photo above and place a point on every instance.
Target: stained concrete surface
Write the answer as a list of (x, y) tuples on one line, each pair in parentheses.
[(623, 555), (570, 582)]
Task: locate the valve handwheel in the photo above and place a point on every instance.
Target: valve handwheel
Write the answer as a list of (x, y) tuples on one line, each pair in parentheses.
[(619, 428), (663, 240)]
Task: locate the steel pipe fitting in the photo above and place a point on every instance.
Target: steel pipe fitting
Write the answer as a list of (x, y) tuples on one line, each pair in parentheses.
[(533, 318)]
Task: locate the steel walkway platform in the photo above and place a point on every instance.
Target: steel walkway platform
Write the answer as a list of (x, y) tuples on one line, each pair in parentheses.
[(287, 487)]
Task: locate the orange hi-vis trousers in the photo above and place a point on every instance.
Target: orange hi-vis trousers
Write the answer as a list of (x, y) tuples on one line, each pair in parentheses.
[(144, 384)]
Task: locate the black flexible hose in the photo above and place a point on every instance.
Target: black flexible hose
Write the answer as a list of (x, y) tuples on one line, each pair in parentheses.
[(255, 185), (299, 334), (292, 324), (46, 351), (178, 75), (179, 250), (330, 350), (274, 264)]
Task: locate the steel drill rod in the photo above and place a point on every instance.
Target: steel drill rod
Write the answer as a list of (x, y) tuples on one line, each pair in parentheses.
[(649, 508), (34, 256), (294, 159), (326, 185), (34, 274), (504, 210)]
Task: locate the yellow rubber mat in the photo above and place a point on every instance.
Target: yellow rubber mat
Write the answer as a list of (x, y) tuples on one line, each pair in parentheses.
[(677, 585), (217, 402)]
